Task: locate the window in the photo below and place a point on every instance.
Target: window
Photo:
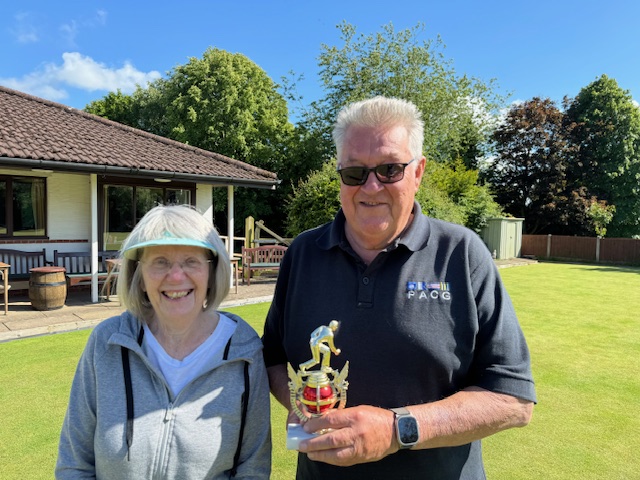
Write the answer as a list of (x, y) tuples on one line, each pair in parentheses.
[(125, 205), (22, 207)]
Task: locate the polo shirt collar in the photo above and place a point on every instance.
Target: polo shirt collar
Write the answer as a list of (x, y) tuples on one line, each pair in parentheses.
[(334, 235)]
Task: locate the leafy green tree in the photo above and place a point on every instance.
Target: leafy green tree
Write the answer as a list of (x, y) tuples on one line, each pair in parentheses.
[(222, 102), (115, 106), (397, 64), (601, 215), (450, 191), (437, 204), (603, 126), (314, 201)]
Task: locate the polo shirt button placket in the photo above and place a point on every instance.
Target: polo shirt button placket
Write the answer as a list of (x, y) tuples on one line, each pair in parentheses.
[(365, 292)]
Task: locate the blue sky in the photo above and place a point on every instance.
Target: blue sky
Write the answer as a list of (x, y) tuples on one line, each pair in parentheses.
[(74, 52)]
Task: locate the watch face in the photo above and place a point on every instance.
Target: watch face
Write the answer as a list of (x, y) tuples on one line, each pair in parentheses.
[(407, 430)]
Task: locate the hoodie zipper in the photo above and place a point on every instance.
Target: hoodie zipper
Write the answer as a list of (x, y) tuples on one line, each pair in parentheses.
[(167, 428)]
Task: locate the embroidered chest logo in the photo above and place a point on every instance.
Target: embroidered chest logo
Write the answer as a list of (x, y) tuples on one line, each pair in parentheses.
[(428, 291)]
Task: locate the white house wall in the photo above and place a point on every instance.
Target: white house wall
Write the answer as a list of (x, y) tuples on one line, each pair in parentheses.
[(69, 207), (204, 200)]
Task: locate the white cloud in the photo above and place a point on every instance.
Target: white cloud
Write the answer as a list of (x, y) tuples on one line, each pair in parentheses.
[(101, 17), (31, 85), (85, 73), (72, 28), (24, 30), (69, 31), (82, 72)]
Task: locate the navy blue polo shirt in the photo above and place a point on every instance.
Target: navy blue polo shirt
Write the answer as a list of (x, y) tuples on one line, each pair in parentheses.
[(427, 318)]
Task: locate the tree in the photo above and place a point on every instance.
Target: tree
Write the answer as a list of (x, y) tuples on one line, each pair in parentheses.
[(603, 126), (222, 102), (115, 106), (396, 64), (315, 200), (450, 192), (601, 215), (529, 172)]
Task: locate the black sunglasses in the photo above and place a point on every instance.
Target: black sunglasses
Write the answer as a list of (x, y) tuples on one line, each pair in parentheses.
[(386, 173)]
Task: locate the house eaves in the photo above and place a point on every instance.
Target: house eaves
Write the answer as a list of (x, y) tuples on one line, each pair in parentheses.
[(129, 172), (40, 134)]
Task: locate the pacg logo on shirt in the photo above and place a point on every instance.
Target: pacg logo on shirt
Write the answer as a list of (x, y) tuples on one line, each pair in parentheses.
[(428, 291)]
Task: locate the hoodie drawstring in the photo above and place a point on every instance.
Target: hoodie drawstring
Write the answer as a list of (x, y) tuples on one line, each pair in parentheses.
[(129, 391)]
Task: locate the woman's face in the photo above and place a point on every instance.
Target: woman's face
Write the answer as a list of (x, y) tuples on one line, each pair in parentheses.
[(176, 280)]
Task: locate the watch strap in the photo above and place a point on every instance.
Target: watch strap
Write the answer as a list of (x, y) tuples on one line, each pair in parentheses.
[(400, 411)]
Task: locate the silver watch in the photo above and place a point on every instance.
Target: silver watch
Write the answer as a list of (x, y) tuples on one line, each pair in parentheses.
[(407, 431)]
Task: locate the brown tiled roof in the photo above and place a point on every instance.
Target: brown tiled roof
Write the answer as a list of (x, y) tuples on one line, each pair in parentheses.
[(38, 133)]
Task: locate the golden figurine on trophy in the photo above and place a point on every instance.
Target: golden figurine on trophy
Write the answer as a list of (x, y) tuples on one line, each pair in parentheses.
[(318, 390)]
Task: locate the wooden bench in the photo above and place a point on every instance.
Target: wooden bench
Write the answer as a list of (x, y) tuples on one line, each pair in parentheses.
[(267, 257), (21, 262), (78, 266)]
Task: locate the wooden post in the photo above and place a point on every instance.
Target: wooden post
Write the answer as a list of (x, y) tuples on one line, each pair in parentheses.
[(249, 231)]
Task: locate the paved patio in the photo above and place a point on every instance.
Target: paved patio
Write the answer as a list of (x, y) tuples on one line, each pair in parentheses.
[(78, 312)]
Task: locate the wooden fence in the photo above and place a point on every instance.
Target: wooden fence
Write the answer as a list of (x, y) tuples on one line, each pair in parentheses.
[(590, 249)]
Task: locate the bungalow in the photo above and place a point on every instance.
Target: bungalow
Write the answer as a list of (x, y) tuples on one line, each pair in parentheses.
[(72, 181)]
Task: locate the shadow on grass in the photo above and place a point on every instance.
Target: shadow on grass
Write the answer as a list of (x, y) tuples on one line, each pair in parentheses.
[(598, 267)]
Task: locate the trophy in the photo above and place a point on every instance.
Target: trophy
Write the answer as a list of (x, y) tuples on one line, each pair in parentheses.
[(317, 390)]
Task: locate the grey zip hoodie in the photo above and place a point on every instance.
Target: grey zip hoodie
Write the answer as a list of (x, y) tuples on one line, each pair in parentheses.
[(193, 435)]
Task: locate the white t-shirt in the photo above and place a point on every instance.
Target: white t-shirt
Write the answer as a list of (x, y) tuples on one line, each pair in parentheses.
[(179, 373)]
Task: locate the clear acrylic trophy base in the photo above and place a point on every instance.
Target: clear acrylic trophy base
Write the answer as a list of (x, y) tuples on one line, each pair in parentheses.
[(295, 434)]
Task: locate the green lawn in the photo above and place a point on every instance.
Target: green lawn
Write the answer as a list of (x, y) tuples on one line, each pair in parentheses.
[(582, 323)]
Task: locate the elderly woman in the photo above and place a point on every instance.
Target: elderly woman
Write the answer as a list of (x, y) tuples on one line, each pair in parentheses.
[(172, 388)]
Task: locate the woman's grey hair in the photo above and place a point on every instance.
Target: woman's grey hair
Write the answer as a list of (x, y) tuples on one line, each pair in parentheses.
[(379, 112), (177, 222)]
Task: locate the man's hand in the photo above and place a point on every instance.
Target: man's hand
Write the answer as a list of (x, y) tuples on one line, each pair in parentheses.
[(359, 435)]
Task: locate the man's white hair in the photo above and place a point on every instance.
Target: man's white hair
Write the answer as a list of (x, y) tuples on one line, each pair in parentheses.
[(380, 112)]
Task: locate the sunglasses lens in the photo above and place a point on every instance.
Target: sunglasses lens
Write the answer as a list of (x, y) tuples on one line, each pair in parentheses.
[(353, 176), (390, 172)]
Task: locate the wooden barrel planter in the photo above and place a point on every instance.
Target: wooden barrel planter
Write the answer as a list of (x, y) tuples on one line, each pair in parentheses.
[(47, 288)]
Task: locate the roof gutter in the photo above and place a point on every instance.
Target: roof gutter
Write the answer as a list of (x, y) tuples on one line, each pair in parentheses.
[(131, 171)]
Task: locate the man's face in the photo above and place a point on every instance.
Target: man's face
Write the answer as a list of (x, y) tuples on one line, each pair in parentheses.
[(377, 212)]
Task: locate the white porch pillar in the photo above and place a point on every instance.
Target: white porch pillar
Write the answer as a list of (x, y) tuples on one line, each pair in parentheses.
[(231, 216), (230, 226), (93, 238)]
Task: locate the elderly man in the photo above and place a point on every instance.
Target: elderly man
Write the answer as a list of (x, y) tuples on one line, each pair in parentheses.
[(437, 358)]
